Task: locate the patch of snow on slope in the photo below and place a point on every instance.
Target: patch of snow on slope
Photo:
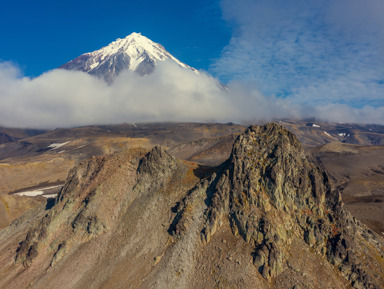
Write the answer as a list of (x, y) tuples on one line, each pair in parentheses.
[(38, 192), (135, 62), (55, 146), (93, 65), (50, 196), (329, 135)]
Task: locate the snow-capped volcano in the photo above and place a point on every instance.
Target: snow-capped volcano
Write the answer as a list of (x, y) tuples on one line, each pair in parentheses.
[(135, 52)]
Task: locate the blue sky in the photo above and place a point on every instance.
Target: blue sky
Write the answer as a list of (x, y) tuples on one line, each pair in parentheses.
[(290, 58), (42, 35)]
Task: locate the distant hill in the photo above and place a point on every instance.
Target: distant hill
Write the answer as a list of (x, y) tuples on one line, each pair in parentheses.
[(8, 135)]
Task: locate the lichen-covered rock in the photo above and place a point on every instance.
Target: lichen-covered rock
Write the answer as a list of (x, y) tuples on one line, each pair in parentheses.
[(157, 163)]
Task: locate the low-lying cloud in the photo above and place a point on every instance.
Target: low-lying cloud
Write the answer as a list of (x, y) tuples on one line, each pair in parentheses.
[(62, 98)]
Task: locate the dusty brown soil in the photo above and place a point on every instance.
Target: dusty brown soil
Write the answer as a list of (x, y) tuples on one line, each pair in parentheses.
[(12, 207), (359, 173)]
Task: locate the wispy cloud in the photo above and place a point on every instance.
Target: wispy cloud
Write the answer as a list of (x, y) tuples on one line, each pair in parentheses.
[(312, 52)]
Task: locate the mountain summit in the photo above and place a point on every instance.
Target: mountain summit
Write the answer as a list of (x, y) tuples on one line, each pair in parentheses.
[(135, 52)]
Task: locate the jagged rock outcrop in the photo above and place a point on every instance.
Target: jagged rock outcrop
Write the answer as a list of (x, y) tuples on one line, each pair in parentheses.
[(84, 209), (271, 194), (149, 220)]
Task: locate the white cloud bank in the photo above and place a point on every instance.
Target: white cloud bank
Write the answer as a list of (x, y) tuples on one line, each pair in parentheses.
[(62, 98)]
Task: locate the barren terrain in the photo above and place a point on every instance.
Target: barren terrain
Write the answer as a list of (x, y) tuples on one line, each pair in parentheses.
[(141, 218), (351, 154)]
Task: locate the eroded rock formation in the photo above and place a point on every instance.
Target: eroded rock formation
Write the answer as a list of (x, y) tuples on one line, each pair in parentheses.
[(271, 194)]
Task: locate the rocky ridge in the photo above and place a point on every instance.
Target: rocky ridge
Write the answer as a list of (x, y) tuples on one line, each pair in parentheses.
[(267, 193), (271, 194)]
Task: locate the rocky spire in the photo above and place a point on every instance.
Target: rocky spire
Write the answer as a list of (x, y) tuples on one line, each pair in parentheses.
[(272, 194)]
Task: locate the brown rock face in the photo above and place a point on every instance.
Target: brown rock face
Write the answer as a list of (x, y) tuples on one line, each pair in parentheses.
[(153, 221)]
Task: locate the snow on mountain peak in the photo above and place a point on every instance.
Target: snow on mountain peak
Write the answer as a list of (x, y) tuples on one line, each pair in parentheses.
[(134, 52), (136, 47)]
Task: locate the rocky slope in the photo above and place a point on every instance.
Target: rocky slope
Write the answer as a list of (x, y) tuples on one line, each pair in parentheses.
[(265, 218)]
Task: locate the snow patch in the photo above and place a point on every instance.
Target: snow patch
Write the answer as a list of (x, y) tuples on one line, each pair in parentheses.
[(55, 146), (30, 193), (39, 192), (328, 134), (93, 65), (315, 125), (135, 62), (50, 196)]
